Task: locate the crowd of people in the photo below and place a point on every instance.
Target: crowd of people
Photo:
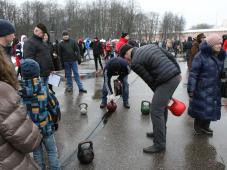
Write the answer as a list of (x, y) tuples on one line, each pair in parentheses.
[(30, 111)]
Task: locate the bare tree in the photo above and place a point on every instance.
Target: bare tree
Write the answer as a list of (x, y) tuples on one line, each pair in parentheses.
[(102, 18)]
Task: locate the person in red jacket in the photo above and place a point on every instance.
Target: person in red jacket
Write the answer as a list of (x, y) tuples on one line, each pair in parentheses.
[(225, 45), (122, 41)]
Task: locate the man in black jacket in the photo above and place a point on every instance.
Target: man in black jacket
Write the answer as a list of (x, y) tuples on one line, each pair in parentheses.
[(69, 54), (37, 50), (7, 31), (96, 45), (161, 73), (116, 67)]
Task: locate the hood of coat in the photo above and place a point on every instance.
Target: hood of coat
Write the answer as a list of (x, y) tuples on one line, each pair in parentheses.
[(207, 50)]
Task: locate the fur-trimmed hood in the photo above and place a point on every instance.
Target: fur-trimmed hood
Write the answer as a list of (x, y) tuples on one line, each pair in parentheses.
[(207, 50)]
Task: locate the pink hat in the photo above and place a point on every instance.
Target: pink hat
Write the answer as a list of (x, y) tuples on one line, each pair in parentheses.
[(214, 39)]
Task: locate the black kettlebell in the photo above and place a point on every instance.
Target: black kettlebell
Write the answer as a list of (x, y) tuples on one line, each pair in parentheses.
[(85, 152), (145, 107)]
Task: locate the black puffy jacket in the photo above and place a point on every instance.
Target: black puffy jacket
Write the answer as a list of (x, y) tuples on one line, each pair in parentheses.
[(154, 65), (37, 50)]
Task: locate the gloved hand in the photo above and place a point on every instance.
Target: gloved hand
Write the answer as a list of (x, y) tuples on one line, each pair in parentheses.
[(111, 98)]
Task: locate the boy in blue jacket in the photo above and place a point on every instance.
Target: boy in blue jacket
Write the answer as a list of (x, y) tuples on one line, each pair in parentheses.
[(40, 109)]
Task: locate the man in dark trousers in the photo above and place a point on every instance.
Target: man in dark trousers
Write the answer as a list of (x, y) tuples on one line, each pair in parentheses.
[(69, 54), (34, 48), (160, 71), (96, 45), (116, 66)]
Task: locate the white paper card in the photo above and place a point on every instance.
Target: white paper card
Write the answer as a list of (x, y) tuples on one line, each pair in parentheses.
[(54, 80)]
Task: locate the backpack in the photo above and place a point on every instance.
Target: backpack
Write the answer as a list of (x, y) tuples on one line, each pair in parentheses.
[(54, 109)]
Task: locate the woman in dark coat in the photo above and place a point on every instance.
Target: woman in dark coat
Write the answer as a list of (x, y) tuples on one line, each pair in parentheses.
[(204, 84)]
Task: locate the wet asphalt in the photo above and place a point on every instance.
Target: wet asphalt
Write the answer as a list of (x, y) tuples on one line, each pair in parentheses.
[(119, 142)]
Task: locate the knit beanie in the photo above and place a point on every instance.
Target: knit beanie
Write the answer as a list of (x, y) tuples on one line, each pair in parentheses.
[(124, 34), (42, 27), (65, 33), (29, 68), (214, 39), (124, 49), (6, 28)]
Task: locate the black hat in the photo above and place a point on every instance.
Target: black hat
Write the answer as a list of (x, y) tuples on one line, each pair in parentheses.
[(200, 36), (124, 34), (42, 27), (124, 49), (6, 28), (64, 33), (29, 68)]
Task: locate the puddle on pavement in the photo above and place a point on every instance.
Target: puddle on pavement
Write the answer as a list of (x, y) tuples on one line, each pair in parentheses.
[(97, 94)]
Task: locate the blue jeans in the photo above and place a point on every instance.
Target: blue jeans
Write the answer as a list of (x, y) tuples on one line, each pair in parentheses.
[(69, 67), (50, 146), (125, 93)]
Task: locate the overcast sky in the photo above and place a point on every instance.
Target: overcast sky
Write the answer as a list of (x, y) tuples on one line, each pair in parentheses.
[(195, 11)]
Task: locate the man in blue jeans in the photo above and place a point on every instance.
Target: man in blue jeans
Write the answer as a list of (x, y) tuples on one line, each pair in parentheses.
[(69, 54), (116, 66)]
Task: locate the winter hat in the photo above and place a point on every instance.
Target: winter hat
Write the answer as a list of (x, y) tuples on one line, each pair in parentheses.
[(29, 68), (214, 39), (42, 27), (124, 49), (65, 33), (200, 36), (115, 67), (124, 34), (6, 28)]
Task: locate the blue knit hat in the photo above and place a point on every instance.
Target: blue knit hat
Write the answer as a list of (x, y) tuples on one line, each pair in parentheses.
[(29, 68), (6, 28)]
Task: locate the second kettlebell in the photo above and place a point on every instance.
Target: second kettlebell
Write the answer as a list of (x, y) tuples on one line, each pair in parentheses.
[(111, 106), (83, 108), (145, 107)]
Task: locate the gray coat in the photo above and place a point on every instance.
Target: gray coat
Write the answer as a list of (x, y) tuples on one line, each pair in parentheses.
[(154, 65), (18, 134)]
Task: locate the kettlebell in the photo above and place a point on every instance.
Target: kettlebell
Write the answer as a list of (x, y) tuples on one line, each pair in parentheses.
[(145, 107), (177, 108), (83, 108), (111, 106), (85, 152)]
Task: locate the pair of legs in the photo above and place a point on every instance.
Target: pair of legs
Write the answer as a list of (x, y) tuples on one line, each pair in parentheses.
[(125, 93), (159, 113), (70, 67), (87, 54), (98, 58), (50, 145)]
